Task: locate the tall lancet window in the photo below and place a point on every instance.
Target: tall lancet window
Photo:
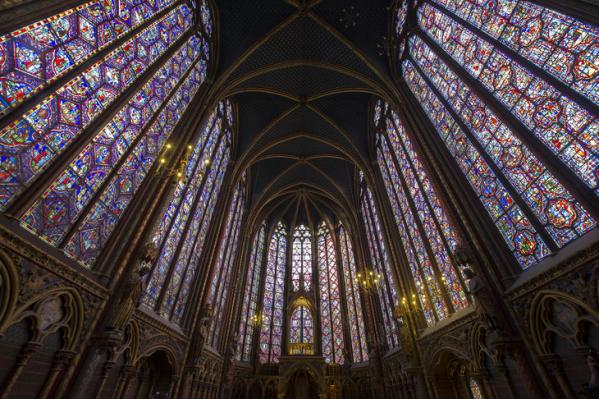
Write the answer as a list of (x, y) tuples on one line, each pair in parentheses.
[(352, 295), (301, 331), (181, 231), (427, 237), (227, 253), (330, 298), (249, 312), (511, 91), (271, 331), (301, 259), (379, 258), (75, 153)]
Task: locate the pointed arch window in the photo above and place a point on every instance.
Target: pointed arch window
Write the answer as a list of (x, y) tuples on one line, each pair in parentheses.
[(301, 259), (181, 231), (511, 89), (330, 299), (249, 311), (271, 331), (227, 253), (75, 155), (427, 237), (380, 262), (301, 330), (357, 331)]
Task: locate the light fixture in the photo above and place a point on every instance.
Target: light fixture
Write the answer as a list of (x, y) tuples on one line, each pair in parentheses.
[(368, 280), (256, 319), (406, 308), (179, 171)]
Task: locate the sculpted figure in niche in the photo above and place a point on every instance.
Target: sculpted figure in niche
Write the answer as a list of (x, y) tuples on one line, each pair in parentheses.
[(130, 296), (201, 333), (484, 300)]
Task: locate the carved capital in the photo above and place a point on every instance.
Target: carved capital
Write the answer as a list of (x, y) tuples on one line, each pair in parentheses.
[(62, 359)]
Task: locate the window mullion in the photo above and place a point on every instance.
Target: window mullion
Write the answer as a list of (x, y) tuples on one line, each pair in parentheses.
[(425, 282), (562, 172), (187, 225), (583, 101), (423, 235), (123, 158), (202, 217), (428, 202), (180, 204), (539, 228), (371, 224)]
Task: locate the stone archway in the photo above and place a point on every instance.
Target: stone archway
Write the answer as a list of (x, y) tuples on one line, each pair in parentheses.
[(298, 371), (452, 377), (156, 377), (301, 385)]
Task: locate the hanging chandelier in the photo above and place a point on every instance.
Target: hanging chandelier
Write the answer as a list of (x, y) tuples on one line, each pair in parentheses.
[(368, 280), (178, 171), (256, 319)]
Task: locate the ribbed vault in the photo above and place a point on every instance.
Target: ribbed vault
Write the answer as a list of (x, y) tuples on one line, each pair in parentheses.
[(302, 79)]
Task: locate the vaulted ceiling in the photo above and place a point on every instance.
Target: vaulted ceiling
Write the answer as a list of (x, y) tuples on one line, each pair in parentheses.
[(303, 74)]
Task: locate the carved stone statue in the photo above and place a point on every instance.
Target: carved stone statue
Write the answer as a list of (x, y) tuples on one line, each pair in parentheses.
[(484, 299), (346, 357), (131, 293), (231, 352), (232, 347), (201, 332)]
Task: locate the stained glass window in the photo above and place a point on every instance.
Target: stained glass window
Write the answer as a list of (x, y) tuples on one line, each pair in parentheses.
[(155, 66), (330, 298), (30, 144), (249, 311), (181, 231), (35, 55), (563, 46), (301, 259), (357, 331), (380, 262), (427, 237), (506, 87), (271, 331), (475, 390), (221, 278), (301, 328), (562, 125)]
